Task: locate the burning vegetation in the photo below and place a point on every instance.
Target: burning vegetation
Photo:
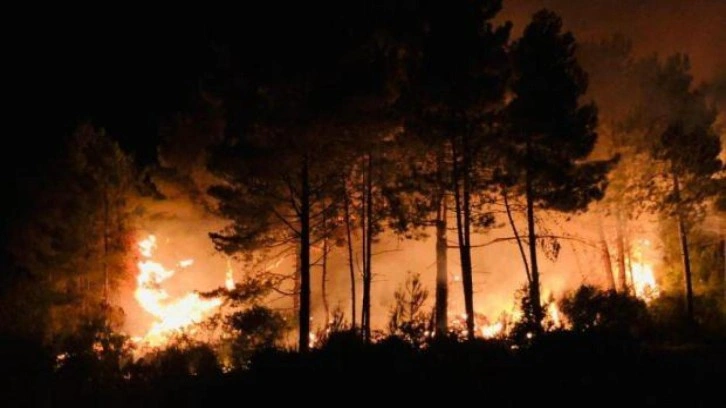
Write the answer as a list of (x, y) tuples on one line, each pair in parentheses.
[(379, 191)]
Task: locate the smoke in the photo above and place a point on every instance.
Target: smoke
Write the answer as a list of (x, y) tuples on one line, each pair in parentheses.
[(655, 26)]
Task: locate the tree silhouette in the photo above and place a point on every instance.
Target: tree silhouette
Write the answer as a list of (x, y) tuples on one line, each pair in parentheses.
[(295, 114), (551, 133), (77, 241), (674, 125), (452, 99)]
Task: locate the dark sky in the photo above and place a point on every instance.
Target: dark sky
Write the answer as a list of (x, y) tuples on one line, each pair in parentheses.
[(127, 69)]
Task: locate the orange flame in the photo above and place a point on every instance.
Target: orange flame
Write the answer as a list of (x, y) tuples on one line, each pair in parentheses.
[(172, 315), (643, 279)]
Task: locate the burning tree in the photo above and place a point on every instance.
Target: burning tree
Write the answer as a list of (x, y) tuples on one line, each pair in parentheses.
[(674, 125)]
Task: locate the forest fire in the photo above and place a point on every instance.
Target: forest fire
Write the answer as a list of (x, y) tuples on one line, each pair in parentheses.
[(172, 315)]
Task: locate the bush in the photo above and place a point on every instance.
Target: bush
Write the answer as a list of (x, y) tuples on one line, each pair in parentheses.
[(591, 309)]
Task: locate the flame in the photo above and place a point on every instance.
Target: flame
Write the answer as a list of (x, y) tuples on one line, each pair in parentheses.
[(186, 263), (172, 315), (493, 330), (553, 313), (643, 278), (229, 277)]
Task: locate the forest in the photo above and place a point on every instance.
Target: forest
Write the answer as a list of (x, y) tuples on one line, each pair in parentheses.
[(381, 201)]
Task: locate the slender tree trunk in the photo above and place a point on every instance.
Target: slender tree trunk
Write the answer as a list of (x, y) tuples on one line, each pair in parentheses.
[(368, 242), (516, 236), (363, 242), (463, 220), (534, 288), (351, 266), (683, 235), (605, 255), (629, 259), (442, 276), (324, 280), (296, 285), (304, 338), (620, 243)]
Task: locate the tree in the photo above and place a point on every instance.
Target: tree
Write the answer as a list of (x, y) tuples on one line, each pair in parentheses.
[(294, 110), (674, 125), (76, 239), (551, 133), (407, 319), (453, 94)]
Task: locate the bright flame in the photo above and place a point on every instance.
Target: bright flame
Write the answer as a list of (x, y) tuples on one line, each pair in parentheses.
[(146, 247), (172, 315), (229, 277), (554, 314), (493, 330), (644, 283), (186, 263)]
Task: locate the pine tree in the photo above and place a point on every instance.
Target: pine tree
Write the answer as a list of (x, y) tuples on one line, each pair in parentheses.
[(551, 133)]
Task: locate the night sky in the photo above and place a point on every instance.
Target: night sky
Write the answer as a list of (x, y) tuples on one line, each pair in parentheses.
[(126, 71)]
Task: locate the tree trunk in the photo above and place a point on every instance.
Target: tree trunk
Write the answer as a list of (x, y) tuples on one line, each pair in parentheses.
[(442, 276), (368, 242), (620, 242), (683, 235), (534, 289), (296, 285), (516, 236), (304, 335), (324, 280), (462, 198), (605, 255), (351, 266), (629, 259)]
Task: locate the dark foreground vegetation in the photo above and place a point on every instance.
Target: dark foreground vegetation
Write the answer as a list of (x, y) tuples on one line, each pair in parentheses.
[(614, 351), (559, 367)]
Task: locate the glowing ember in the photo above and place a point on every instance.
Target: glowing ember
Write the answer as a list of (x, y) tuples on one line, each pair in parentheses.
[(172, 315)]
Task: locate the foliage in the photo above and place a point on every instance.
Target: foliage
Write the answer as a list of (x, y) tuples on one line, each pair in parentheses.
[(73, 248), (591, 309)]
